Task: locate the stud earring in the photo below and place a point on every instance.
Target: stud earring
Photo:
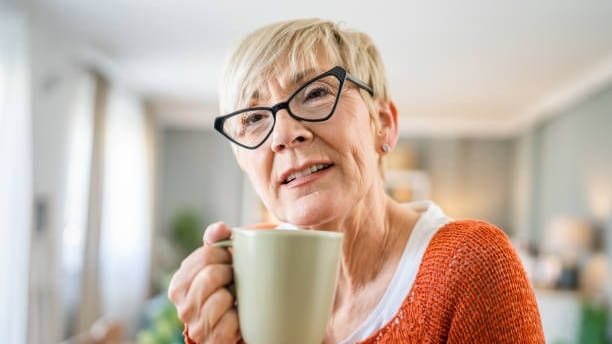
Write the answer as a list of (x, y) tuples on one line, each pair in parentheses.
[(386, 148)]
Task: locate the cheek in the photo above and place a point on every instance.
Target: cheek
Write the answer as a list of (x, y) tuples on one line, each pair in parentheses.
[(353, 126), (358, 143), (363, 173), (257, 166)]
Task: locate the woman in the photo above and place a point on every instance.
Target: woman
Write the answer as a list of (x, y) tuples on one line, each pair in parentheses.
[(315, 121)]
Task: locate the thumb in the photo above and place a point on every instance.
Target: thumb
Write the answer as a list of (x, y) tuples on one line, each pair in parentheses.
[(215, 232)]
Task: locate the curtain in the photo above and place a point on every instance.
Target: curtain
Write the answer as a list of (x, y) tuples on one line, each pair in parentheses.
[(116, 249), (15, 176), (80, 194), (126, 225)]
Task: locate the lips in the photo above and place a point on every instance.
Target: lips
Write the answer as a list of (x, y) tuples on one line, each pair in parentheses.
[(307, 169)]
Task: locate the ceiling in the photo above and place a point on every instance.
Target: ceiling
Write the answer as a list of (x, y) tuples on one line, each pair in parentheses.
[(474, 67)]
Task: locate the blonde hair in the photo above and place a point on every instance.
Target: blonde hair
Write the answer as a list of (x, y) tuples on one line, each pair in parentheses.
[(282, 49)]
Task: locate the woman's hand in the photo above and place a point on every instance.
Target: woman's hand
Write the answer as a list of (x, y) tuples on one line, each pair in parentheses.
[(198, 291)]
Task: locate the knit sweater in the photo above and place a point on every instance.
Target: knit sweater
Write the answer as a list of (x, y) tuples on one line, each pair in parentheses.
[(470, 288)]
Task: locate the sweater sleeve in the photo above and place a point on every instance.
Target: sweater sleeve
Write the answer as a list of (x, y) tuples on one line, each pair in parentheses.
[(188, 339), (496, 303)]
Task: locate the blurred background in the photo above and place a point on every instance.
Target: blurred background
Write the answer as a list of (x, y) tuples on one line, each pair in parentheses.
[(109, 169)]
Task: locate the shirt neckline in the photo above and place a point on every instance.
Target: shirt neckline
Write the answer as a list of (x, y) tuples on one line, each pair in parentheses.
[(430, 220)]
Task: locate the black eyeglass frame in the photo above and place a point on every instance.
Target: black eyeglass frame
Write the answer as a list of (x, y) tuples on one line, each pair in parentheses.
[(340, 73)]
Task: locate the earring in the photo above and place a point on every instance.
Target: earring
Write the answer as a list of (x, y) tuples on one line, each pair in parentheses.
[(386, 148)]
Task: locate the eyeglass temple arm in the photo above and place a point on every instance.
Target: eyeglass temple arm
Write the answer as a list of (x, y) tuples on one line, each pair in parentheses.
[(360, 84)]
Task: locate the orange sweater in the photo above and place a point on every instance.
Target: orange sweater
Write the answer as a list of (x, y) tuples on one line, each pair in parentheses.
[(470, 288)]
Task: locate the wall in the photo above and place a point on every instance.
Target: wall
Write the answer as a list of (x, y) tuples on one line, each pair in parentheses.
[(470, 178), (198, 170), (564, 167), (570, 163)]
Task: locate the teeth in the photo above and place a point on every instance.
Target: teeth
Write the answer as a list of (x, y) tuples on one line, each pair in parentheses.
[(304, 172)]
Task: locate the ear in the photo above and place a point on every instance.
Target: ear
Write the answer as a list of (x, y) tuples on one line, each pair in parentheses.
[(387, 131)]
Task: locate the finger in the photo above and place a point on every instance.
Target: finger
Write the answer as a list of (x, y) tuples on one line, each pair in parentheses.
[(227, 329), (216, 232), (205, 284), (185, 269), (191, 266), (201, 325)]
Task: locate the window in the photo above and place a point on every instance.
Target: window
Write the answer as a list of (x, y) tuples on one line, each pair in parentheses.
[(15, 176)]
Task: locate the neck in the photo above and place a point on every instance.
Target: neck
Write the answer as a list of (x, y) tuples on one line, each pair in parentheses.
[(375, 232)]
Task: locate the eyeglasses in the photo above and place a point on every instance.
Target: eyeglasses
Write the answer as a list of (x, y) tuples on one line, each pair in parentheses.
[(315, 101)]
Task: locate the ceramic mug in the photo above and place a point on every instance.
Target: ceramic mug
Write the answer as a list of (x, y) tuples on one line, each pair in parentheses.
[(285, 283)]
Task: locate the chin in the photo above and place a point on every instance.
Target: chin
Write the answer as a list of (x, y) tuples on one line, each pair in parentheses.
[(311, 212)]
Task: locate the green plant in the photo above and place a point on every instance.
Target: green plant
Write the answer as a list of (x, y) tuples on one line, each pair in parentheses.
[(162, 325), (594, 322), (186, 230)]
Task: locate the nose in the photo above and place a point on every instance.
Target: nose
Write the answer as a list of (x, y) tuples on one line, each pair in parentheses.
[(288, 132)]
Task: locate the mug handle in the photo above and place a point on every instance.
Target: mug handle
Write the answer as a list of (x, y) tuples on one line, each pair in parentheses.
[(227, 243), (223, 243)]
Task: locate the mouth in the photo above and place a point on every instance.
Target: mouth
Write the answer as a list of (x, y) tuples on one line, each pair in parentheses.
[(306, 171)]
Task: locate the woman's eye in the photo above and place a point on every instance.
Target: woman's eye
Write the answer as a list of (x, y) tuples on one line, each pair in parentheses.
[(252, 118), (317, 92)]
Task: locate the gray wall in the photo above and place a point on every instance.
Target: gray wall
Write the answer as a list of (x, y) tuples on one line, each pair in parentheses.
[(567, 162), (470, 178), (197, 170), (571, 163)]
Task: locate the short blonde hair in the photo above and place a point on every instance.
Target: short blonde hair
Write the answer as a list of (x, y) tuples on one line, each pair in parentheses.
[(282, 49)]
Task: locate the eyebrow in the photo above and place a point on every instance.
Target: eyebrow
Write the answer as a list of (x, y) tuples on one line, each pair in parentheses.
[(301, 75), (296, 79)]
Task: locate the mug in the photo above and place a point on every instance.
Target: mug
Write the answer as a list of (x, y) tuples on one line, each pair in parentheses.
[(285, 283)]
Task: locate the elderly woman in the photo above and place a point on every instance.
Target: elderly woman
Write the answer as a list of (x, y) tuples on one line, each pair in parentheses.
[(310, 118)]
